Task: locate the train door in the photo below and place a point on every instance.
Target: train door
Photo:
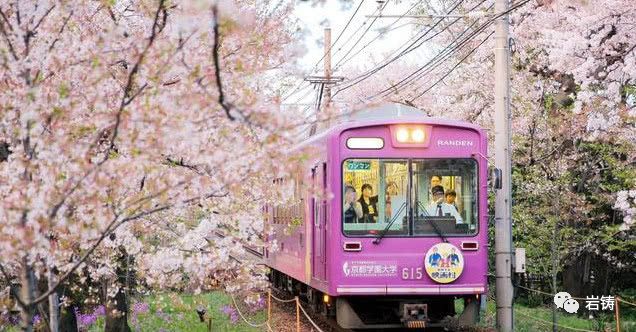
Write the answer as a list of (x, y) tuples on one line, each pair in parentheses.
[(320, 222)]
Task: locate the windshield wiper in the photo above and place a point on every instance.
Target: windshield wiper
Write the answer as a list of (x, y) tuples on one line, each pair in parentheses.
[(437, 230), (386, 229)]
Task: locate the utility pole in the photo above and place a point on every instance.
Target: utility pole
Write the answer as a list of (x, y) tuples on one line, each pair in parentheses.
[(327, 64), (503, 153), (324, 82)]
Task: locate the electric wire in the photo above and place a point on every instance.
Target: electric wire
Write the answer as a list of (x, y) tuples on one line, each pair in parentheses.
[(340, 35), (405, 49), (434, 62), (521, 3), (412, 46), (480, 29), (343, 61), (297, 88), (452, 69)]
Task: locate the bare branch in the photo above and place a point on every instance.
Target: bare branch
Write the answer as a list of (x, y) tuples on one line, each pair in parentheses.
[(37, 25), (125, 100), (5, 34), (59, 33), (157, 27), (217, 69)]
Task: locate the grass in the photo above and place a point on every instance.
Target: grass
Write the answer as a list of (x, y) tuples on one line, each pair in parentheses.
[(539, 318), (172, 312), (176, 312)]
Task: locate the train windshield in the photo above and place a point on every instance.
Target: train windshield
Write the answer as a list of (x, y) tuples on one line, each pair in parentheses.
[(409, 197)]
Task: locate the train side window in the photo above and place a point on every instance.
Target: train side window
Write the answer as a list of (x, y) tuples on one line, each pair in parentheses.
[(374, 195)]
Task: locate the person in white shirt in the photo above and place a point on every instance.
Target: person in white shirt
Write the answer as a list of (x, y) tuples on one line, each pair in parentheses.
[(439, 208)]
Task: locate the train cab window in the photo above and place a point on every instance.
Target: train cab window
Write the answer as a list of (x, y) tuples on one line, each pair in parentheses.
[(378, 193), (444, 196), (374, 194)]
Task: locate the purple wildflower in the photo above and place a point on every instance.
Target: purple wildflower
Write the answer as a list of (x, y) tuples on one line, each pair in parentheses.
[(141, 308), (100, 310), (231, 312), (163, 315), (86, 320), (36, 319)]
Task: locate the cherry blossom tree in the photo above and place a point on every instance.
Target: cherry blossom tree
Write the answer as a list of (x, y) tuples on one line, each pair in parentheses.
[(573, 105), (119, 120)]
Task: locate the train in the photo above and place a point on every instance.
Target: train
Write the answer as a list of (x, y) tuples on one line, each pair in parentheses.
[(388, 228)]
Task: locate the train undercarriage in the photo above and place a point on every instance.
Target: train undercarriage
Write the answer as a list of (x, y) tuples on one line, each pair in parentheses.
[(385, 312)]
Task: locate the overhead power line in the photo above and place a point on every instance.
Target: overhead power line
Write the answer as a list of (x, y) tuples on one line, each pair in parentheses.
[(515, 6), (337, 65), (434, 62), (412, 46), (452, 69), (340, 35), (343, 61), (437, 59), (298, 86)]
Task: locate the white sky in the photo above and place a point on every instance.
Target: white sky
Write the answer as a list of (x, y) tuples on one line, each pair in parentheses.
[(335, 14)]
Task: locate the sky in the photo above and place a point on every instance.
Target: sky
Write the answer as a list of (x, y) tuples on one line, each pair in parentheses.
[(315, 17)]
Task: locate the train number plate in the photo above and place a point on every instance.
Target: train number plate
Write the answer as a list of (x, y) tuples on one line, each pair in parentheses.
[(412, 273)]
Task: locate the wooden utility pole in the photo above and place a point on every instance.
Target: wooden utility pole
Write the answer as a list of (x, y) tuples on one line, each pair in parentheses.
[(327, 67), (503, 153), (324, 82)]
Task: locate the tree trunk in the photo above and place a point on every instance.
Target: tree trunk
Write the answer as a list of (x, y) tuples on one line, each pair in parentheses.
[(117, 308), (27, 291), (54, 305), (117, 313)]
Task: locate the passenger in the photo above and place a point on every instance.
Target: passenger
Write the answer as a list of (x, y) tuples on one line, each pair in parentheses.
[(391, 190), (436, 180), (450, 198), (439, 208), (369, 204), (352, 209)]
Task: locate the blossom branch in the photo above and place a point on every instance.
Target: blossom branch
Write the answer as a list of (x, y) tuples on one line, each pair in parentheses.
[(217, 69), (112, 226), (11, 288)]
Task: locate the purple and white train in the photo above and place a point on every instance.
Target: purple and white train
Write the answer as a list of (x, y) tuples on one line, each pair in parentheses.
[(390, 225)]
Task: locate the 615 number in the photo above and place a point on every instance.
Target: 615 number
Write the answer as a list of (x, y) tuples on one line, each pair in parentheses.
[(412, 273)]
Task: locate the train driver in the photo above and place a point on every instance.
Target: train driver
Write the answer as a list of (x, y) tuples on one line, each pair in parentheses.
[(439, 208), (368, 204), (352, 209)]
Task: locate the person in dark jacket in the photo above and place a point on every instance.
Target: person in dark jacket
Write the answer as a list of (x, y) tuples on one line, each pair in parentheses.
[(369, 204), (352, 209)]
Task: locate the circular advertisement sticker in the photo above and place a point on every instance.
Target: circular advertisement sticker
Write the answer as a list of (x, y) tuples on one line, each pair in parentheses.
[(444, 263)]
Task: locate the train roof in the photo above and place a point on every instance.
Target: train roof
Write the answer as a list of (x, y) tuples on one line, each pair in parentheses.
[(389, 113)]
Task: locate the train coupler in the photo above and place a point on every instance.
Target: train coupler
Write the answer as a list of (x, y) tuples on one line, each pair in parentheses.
[(414, 315)]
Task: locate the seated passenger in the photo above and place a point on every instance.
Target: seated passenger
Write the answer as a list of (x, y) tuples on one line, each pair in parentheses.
[(352, 209), (368, 204), (450, 198), (439, 208), (391, 190)]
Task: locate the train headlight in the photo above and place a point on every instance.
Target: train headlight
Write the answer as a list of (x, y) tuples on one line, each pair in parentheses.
[(402, 135), (417, 135)]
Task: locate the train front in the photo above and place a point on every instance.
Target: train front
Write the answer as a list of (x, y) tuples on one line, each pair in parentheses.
[(413, 224)]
